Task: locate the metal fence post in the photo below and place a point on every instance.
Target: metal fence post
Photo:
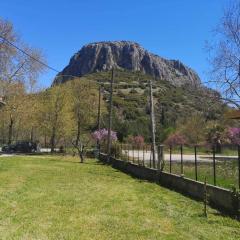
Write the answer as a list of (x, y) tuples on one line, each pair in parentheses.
[(170, 159), (99, 151), (196, 174), (181, 149), (133, 153), (150, 157), (138, 155), (160, 157), (238, 166), (143, 155), (214, 166), (121, 151)]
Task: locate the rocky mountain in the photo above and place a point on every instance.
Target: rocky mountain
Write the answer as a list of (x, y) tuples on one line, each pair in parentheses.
[(103, 56)]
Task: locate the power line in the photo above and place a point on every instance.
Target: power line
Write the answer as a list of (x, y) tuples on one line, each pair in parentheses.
[(49, 67), (27, 54), (44, 64)]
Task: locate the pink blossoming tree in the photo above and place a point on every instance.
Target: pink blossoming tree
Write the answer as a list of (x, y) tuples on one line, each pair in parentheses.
[(233, 135), (102, 135)]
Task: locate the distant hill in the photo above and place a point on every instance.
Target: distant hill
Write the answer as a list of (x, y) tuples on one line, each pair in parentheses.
[(103, 56), (177, 91)]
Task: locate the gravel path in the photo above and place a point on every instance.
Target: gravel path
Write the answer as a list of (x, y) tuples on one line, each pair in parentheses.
[(177, 157)]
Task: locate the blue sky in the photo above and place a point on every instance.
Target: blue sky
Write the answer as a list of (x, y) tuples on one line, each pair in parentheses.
[(174, 29)]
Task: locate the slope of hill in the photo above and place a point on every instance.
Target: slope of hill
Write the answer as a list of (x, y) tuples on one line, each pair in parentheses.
[(172, 103)]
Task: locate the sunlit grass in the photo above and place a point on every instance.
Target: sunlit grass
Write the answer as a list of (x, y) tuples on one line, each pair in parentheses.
[(59, 198)]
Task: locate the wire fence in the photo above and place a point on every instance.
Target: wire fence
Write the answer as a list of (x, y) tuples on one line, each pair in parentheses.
[(220, 165)]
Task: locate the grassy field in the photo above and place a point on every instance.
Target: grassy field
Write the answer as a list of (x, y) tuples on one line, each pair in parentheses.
[(47, 197)]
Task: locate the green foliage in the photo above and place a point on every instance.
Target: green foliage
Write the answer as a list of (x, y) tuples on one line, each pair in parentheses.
[(173, 105), (163, 132)]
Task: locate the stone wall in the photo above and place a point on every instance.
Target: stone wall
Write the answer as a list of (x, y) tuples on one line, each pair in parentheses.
[(219, 198)]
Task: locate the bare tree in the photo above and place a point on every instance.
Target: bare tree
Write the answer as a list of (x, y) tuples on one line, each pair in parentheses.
[(18, 61), (225, 55)]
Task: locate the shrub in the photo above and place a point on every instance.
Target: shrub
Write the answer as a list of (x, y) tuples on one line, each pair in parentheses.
[(137, 141), (133, 91), (175, 139)]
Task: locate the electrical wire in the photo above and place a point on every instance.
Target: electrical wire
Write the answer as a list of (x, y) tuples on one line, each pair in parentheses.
[(27, 54)]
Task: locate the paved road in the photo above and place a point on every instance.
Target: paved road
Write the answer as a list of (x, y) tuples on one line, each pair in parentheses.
[(6, 155), (177, 157), (42, 150)]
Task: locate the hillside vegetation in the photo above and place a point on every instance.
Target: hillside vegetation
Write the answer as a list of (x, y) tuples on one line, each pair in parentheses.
[(173, 104)]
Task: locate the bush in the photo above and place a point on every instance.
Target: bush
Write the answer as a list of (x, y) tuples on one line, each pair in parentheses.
[(175, 139), (133, 91)]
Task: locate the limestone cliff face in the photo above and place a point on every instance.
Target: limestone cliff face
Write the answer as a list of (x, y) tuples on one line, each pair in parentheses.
[(103, 56)]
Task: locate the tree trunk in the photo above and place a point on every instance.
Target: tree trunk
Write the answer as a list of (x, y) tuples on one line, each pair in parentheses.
[(77, 143), (52, 140), (31, 135), (218, 147), (79, 148), (80, 153), (45, 140), (10, 131), (78, 132)]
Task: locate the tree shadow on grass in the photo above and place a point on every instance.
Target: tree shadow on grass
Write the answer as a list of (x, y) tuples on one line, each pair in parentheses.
[(86, 162), (63, 161)]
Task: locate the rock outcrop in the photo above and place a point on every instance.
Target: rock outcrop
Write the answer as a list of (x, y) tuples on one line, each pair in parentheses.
[(103, 56)]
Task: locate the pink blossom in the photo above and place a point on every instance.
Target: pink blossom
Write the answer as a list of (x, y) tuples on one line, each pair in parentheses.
[(233, 134), (102, 135)]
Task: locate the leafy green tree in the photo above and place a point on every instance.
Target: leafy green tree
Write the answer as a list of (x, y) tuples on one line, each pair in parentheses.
[(83, 100), (52, 113)]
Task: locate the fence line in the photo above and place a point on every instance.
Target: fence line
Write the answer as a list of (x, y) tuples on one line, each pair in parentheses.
[(196, 162)]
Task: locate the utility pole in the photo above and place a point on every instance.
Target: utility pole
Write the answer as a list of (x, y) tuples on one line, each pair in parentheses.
[(98, 119), (110, 119), (153, 130), (99, 107)]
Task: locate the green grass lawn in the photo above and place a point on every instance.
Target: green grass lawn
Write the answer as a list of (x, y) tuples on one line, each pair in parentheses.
[(47, 197)]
